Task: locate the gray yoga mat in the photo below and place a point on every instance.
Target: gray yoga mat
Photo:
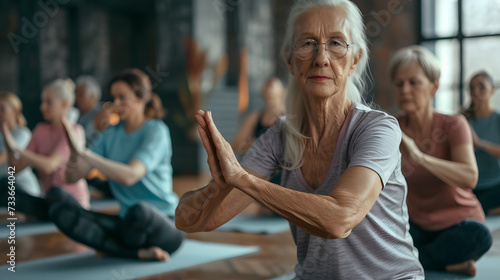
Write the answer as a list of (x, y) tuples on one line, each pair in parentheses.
[(488, 268), (256, 224), (84, 266), (493, 223)]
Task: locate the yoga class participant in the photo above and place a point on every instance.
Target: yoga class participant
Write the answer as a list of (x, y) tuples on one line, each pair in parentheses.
[(446, 219), (134, 155), (48, 151), (11, 114), (342, 189), (485, 124), (257, 123)]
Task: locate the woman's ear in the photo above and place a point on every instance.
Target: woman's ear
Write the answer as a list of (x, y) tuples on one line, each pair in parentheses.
[(355, 62), (289, 64), (435, 86)]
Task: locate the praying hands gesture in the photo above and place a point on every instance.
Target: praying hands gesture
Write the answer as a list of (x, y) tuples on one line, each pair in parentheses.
[(224, 166), (76, 146)]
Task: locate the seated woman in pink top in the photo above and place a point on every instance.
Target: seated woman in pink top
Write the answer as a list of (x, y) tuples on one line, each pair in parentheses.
[(48, 151), (446, 219)]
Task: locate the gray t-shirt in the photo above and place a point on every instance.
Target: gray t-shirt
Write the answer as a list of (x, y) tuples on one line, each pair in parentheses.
[(25, 179), (380, 247)]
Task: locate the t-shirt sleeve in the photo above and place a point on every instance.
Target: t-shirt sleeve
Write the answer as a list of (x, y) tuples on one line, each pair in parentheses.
[(265, 155), (458, 131), (156, 144), (377, 147)]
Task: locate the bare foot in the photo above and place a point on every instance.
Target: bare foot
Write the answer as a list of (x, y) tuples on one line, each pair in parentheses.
[(467, 267), (153, 253)]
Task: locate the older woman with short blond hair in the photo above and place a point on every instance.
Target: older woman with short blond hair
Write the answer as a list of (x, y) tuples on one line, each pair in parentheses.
[(446, 219), (342, 189)]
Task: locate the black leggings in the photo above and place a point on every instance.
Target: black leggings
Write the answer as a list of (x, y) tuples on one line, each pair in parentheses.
[(142, 227), (467, 240), (24, 202)]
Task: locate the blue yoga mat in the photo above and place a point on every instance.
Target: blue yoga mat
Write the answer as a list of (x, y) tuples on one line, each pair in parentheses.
[(256, 224), (493, 223), (84, 266), (28, 228), (284, 277)]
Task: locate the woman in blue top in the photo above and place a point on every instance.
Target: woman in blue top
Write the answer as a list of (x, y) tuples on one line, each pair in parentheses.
[(485, 124), (135, 157)]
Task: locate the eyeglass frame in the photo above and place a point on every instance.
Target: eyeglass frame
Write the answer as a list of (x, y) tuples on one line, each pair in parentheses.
[(326, 49)]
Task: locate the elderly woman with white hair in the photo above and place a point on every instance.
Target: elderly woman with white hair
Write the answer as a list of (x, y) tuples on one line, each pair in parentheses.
[(446, 219), (88, 95), (48, 150), (342, 189)]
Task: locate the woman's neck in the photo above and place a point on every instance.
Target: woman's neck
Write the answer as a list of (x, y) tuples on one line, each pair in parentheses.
[(134, 122), (55, 123), (420, 122), (483, 110), (325, 117)]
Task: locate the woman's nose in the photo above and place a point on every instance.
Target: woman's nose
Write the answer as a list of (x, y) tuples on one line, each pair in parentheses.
[(321, 58)]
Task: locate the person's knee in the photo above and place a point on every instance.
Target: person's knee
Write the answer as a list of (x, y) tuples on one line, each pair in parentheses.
[(480, 233), (140, 211)]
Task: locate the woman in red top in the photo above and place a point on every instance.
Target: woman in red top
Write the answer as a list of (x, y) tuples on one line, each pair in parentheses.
[(446, 219)]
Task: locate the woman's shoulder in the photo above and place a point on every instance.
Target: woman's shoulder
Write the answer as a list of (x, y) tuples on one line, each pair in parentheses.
[(364, 115), (154, 126), (451, 121)]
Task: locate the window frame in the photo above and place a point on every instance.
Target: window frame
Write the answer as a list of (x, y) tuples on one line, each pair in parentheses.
[(460, 37)]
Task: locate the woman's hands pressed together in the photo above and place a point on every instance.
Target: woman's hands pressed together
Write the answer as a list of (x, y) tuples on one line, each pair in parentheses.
[(76, 146), (224, 167)]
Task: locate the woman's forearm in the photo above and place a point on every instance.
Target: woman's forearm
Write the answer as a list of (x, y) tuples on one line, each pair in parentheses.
[(121, 173), (44, 164), (462, 175), (319, 215), (197, 209)]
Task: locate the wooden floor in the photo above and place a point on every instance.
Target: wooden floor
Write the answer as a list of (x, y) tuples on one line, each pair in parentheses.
[(276, 257)]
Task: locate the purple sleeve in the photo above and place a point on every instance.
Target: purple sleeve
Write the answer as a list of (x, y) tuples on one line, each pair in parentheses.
[(265, 155)]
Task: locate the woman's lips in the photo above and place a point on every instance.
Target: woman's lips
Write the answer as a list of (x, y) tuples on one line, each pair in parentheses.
[(319, 78)]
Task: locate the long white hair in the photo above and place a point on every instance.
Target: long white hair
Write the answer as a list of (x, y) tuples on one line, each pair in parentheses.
[(295, 111)]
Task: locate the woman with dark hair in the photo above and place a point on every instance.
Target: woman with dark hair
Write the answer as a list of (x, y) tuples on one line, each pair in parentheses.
[(134, 155), (485, 124)]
